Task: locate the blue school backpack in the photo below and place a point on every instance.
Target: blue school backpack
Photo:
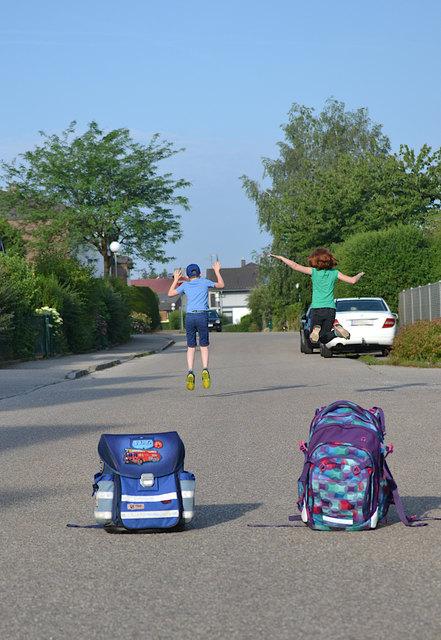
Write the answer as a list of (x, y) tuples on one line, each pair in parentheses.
[(142, 484), (346, 482)]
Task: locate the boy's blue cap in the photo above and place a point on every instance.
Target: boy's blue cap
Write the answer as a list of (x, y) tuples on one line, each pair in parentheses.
[(193, 270)]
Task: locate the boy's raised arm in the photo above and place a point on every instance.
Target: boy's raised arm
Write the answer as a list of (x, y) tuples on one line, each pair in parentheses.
[(220, 281), (172, 291)]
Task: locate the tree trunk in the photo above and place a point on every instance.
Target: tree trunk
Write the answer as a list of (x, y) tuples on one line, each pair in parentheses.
[(108, 260)]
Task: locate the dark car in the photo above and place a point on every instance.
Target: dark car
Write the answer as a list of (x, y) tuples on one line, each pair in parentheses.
[(306, 346), (214, 321)]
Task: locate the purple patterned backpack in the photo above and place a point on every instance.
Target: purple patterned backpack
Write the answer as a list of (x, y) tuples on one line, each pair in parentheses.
[(346, 483)]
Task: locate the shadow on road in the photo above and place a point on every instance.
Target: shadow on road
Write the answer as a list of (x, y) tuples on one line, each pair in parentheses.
[(394, 387), (419, 506), (209, 515), (262, 389), (20, 437)]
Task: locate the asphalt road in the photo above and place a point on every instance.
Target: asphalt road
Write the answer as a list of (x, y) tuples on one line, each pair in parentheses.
[(219, 579)]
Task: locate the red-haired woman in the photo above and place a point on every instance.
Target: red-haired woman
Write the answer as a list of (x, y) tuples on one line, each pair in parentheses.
[(322, 270)]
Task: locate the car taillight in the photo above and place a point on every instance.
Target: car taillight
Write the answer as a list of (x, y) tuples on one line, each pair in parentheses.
[(389, 322)]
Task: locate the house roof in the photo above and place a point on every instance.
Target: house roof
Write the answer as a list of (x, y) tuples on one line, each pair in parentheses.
[(237, 278), (160, 285), (165, 303)]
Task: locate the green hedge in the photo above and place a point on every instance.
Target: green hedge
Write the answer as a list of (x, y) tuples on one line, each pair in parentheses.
[(145, 300), (418, 342), (96, 313), (393, 259)]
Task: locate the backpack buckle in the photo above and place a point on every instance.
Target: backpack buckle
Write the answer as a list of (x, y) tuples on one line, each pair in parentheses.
[(147, 480)]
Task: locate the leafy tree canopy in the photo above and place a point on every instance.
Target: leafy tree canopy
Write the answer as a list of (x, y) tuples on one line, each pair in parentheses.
[(313, 145), (11, 237), (336, 176), (98, 187)]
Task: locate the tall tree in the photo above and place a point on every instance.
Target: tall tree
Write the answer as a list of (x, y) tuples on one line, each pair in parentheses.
[(336, 177), (98, 187), (313, 146)]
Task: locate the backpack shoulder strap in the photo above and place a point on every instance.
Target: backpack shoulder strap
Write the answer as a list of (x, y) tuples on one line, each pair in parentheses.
[(413, 521)]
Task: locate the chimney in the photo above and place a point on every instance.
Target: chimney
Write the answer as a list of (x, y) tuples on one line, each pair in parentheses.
[(243, 262)]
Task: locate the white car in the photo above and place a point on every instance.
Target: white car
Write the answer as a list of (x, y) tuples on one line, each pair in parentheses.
[(370, 322)]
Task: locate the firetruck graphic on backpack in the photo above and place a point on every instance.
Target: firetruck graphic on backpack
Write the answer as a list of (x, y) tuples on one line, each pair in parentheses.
[(139, 456)]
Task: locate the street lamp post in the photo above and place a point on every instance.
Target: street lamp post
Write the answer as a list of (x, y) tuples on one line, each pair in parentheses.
[(114, 248)]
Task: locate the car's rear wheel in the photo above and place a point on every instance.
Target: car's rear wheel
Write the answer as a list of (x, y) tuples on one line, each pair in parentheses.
[(305, 345), (324, 351)]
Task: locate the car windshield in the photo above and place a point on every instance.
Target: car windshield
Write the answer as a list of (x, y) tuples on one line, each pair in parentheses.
[(373, 304), (213, 315)]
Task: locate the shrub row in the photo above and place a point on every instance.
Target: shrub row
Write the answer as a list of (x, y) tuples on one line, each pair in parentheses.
[(95, 313), (418, 342)]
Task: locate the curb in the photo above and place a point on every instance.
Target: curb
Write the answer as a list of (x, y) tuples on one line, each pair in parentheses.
[(80, 373)]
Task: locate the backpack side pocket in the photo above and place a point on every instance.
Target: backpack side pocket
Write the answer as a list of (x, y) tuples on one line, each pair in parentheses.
[(104, 493), (187, 482)]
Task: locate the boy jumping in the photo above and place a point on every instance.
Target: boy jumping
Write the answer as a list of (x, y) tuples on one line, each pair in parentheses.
[(196, 320)]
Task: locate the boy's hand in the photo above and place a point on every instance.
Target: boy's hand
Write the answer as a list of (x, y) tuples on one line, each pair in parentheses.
[(177, 274), (216, 266)]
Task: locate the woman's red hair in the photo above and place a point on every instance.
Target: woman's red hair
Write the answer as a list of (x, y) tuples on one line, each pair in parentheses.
[(322, 258)]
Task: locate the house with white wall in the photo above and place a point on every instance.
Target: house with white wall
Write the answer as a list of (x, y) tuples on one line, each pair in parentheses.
[(232, 300)]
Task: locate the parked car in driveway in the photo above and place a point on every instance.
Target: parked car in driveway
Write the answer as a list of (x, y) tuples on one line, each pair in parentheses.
[(214, 321), (370, 322)]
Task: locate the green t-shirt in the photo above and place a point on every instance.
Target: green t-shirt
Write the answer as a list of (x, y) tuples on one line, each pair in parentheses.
[(323, 281)]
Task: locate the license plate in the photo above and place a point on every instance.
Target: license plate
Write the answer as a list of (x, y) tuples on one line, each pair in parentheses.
[(362, 323)]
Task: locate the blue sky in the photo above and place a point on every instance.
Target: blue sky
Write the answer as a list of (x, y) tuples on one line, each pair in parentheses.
[(217, 78)]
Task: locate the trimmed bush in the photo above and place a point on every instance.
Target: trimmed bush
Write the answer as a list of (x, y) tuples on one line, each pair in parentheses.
[(174, 320), (394, 259), (145, 300), (140, 322), (19, 300), (420, 341), (247, 323), (114, 308)]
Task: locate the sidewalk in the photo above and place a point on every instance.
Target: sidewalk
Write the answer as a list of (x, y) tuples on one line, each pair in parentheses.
[(24, 377)]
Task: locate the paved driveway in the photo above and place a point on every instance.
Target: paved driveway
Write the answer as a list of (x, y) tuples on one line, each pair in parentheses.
[(220, 579)]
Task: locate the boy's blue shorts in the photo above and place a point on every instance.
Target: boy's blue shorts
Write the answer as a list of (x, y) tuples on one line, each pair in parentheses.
[(197, 322)]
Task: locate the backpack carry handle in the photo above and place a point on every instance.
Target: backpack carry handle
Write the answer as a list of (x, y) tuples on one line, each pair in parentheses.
[(377, 412)]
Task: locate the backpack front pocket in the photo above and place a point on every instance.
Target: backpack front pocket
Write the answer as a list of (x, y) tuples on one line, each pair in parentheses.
[(340, 487)]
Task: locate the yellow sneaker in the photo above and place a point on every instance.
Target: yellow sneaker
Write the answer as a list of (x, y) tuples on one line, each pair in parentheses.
[(190, 381), (206, 383)]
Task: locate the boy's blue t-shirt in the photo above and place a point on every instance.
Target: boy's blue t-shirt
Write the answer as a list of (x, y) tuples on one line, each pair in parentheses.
[(323, 281), (196, 291)]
